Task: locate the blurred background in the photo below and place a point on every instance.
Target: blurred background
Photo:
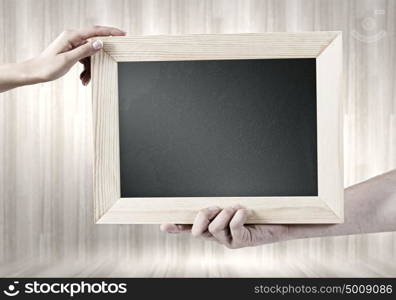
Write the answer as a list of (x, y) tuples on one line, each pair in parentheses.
[(46, 221)]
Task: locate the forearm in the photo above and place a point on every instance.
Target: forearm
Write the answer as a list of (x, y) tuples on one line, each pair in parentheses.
[(369, 207), (18, 74)]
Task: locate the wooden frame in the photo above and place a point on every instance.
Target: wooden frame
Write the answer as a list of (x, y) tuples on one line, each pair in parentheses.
[(326, 47)]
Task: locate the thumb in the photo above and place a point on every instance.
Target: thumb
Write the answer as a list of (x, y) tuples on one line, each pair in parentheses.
[(85, 50)]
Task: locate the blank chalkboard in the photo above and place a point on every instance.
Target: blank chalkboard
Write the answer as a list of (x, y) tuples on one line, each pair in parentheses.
[(218, 128)]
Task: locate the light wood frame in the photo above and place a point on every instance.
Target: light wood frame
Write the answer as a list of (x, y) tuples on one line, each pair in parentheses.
[(325, 47)]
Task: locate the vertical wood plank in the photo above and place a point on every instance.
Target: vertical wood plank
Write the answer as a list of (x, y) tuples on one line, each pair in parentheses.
[(106, 170)]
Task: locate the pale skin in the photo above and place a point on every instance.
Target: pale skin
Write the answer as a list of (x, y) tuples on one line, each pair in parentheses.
[(69, 48), (369, 206)]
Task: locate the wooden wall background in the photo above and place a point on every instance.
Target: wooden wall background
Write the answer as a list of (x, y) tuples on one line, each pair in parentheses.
[(46, 143)]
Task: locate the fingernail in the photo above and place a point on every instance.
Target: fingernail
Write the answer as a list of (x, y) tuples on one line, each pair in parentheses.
[(237, 206), (213, 208), (98, 44)]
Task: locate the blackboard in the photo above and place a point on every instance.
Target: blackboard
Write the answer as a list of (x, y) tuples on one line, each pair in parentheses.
[(218, 128)]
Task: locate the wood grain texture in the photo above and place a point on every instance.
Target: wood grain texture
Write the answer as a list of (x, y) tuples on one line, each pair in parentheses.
[(46, 143), (106, 167), (266, 210), (326, 47), (330, 99), (211, 47)]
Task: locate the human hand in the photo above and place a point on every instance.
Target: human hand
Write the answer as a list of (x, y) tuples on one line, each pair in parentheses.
[(227, 227), (369, 208), (70, 47)]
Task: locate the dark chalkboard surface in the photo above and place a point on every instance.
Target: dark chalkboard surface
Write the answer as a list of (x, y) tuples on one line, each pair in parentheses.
[(218, 128)]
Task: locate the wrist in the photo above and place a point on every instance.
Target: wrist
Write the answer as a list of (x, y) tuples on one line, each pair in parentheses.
[(29, 71)]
